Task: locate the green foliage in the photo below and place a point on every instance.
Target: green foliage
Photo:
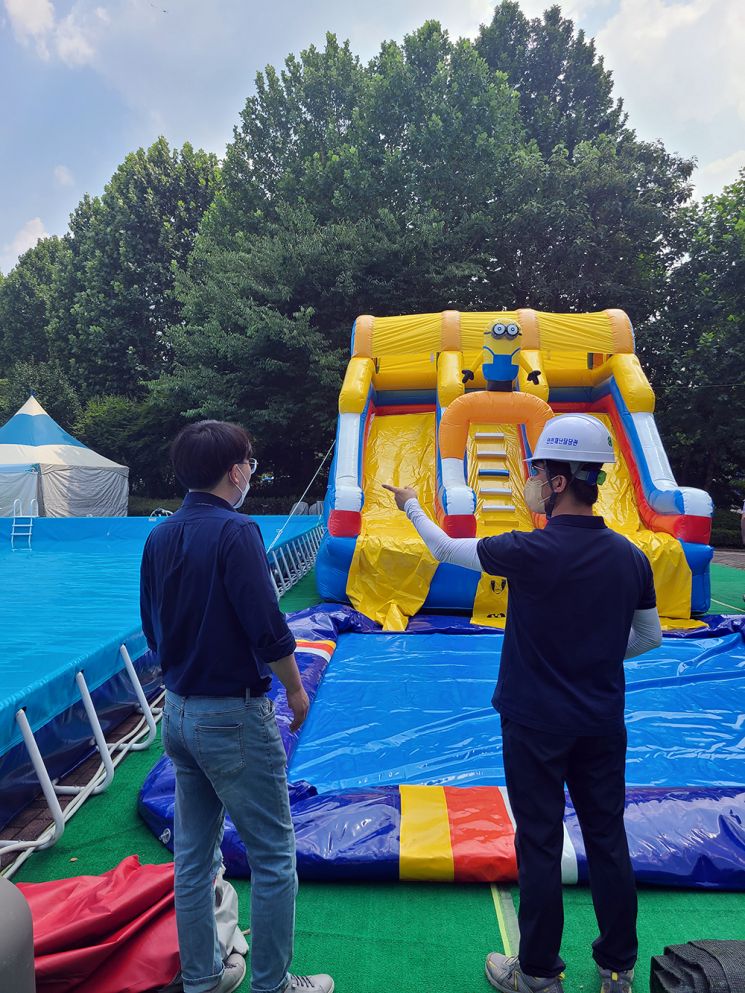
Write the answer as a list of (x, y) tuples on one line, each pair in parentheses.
[(410, 184), (135, 433), (25, 297), (726, 531), (696, 350), (252, 365), (565, 91), (49, 382), (143, 506), (114, 295)]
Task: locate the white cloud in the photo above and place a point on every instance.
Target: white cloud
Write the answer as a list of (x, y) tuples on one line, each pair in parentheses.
[(25, 238), (73, 40), (678, 67), (711, 177), (63, 176), (32, 20), (70, 38)]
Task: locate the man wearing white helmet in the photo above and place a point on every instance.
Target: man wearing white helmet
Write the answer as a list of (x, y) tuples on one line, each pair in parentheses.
[(581, 600)]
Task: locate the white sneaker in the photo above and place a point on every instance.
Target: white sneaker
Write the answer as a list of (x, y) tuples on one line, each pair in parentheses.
[(233, 974), (310, 984)]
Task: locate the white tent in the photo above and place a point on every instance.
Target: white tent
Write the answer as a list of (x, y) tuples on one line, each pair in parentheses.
[(38, 460)]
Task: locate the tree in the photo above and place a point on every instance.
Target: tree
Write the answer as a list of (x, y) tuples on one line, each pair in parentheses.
[(696, 349), (25, 297), (114, 295), (135, 433), (566, 93), (252, 365), (410, 184), (48, 381)]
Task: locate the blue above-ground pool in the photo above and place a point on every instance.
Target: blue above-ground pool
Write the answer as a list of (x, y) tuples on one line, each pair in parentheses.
[(68, 603)]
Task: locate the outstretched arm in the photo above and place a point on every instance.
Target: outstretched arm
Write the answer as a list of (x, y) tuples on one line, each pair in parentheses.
[(456, 551), (645, 634)]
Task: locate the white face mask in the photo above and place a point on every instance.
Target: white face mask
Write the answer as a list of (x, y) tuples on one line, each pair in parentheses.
[(533, 492), (239, 502)]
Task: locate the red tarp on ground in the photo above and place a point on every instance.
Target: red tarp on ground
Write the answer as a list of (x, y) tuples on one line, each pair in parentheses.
[(114, 933)]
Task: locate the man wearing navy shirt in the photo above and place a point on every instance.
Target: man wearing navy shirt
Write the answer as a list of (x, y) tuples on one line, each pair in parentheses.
[(581, 599), (210, 612)]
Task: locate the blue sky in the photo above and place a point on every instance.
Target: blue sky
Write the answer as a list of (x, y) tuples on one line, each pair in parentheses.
[(86, 81)]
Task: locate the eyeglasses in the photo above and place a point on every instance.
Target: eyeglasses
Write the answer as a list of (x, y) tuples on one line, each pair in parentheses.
[(252, 465)]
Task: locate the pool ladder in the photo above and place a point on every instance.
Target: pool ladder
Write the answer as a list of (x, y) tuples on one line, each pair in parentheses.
[(23, 524)]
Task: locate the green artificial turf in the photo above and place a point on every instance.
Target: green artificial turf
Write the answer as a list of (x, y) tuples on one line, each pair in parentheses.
[(392, 937), (727, 588)]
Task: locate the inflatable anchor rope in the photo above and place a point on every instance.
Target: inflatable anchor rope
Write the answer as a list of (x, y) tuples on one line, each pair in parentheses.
[(305, 491)]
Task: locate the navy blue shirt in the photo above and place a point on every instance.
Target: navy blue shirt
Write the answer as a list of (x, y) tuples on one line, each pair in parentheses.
[(573, 590), (207, 602)]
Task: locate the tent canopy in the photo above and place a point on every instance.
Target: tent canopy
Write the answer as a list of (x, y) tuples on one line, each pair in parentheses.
[(40, 459)]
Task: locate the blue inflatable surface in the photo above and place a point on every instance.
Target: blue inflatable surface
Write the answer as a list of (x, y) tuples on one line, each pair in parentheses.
[(396, 711)]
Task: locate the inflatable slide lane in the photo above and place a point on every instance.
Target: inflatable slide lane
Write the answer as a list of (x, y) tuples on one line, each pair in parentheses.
[(451, 404)]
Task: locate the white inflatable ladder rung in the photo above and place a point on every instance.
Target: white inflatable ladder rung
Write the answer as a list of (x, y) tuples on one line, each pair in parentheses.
[(500, 508), (490, 453), (503, 490), (493, 435)]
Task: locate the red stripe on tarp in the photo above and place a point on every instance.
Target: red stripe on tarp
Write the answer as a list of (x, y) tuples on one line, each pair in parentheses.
[(481, 835)]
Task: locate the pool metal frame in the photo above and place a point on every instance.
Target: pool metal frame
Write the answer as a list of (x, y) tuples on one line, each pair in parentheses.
[(288, 569), (50, 788)]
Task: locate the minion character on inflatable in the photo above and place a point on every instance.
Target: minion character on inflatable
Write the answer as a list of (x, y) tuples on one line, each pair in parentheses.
[(501, 346)]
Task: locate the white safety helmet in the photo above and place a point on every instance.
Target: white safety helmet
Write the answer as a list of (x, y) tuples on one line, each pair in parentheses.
[(574, 438)]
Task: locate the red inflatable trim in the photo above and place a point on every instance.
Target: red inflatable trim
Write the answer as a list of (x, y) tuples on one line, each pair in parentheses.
[(345, 523), (404, 408), (459, 525)]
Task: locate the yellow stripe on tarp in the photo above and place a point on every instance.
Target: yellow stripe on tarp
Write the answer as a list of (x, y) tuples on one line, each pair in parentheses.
[(426, 851)]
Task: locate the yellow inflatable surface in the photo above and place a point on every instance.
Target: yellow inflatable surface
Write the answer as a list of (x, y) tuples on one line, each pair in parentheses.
[(429, 363), (391, 570)]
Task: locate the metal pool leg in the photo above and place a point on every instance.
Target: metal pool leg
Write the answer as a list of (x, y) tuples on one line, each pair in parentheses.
[(274, 583), (282, 585), (144, 706), (287, 567), (47, 788), (309, 555), (295, 558), (101, 744)]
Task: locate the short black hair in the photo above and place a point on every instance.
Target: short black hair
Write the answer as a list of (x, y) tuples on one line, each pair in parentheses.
[(203, 452), (584, 492)]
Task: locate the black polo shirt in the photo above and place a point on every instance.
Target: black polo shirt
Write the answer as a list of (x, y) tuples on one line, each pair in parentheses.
[(207, 602), (573, 590)]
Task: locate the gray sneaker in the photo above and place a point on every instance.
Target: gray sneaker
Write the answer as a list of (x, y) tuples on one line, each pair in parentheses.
[(232, 975), (310, 984), (506, 975), (615, 982)]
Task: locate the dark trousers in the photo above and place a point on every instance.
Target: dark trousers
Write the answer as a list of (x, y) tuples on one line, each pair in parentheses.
[(537, 765)]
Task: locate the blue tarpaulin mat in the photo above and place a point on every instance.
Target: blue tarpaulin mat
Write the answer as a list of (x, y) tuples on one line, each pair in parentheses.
[(408, 716), (402, 709)]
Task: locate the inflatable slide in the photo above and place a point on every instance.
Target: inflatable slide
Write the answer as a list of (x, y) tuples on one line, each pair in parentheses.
[(417, 407)]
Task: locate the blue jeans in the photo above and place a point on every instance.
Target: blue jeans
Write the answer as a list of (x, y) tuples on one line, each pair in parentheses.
[(228, 756)]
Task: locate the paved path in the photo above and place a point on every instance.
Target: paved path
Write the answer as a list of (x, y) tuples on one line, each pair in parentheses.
[(730, 556)]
